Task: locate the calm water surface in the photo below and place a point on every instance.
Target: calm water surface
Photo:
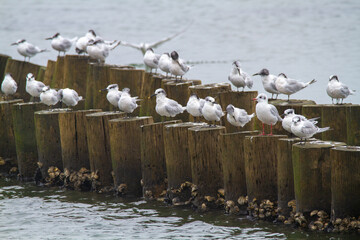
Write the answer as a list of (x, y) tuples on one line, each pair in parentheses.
[(30, 212)]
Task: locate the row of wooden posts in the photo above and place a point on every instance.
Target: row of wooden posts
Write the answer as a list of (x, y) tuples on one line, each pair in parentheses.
[(164, 153)]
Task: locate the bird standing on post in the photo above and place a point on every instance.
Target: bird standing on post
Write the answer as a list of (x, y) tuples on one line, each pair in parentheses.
[(268, 81), (178, 66), (60, 43), (69, 97), (338, 90), (194, 106), (49, 96), (33, 87), (290, 86), (211, 110), (305, 129), (82, 42), (127, 103), (164, 63), (27, 49), (99, 50), (266, 113), (8, 86), (151, 59), (166, 107), (239, 78), (238, 117), (113, 94)]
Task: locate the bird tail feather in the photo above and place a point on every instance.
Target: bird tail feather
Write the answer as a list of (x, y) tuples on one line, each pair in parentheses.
[(320, 130)]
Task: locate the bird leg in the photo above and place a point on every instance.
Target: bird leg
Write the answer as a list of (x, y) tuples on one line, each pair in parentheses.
[(272, 96), (288, 98), (270, 130), (263, 131)]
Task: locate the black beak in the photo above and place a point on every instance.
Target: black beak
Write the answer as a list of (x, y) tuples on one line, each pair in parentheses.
[(102, 90), (153, 95), (256, 74), (49, 38), (14, 44)]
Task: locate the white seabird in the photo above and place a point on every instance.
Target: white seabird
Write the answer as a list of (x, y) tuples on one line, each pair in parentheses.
[(127, 103), (289, 114), (8, 86), (33, 87), (305, 129), (27, 49), (60, 43), (82, 43), (239, 78), (151, 59), (113, 94), (266, 113), (69, 97), (49, 96), (238, 117), (211, 110), (164, 63), (178, 66), (268, 81), (99, 49), (194, 106), (290, 86), (338, 90), (166, 107)]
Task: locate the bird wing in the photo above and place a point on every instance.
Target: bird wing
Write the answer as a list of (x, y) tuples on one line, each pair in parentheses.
[(31, 49), (202, 103), (76, 95), (173, 107), (161, 41), (275, 112), (308, 127), (130, 45), (344, 90), (219, 112)]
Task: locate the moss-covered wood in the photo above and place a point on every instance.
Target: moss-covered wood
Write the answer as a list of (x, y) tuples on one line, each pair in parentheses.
[(312, 175), (177, 156), (232, 158), (97, 131), (47, 134), (75, 69), (345, 181), (74, 148), (205, 157), (3, 61), (19, 70), (260, 154), (25, 139), (57, 80), (153, 165), (49, 72), (125, 147), (241, 100), (334, 116), (353, 124), (41, 74), (128, 78), (7, 139)]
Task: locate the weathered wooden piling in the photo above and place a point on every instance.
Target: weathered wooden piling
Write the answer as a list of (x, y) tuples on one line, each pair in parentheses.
[(153, 165), (345, 181), (353, 124), (41, 74), (232, 159), (97, 79), (25, 139), (240, 100), (49, 72), (128, 78), (3, 61), (337, 124), (47, 134), (205, 156), (97, 131), (19, 70), (7, 139), (58, 77), (151, 83), (281, 106), (177, 156), (260, 154), (125, 148), (312, 175), (74, 148), (202, 91), (75, 69)]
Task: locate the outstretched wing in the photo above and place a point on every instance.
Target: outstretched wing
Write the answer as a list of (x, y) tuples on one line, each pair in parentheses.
[(130, 45)]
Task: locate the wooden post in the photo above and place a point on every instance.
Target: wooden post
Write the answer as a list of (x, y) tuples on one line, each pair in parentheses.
[(75, 69), (345, 181), (151, 83), (19, 70), (25, 140), (97, 79), (281, 106), (47, 134), (130, 78), (285, 175), (58, 77), (126, 153), (179, 92), (41, 74), (49, 72), (97, 131), (206, 167), (334, 116), (3, 61), (74, 149), (153, 166), (7, 139), (232, 158), (353, 124), (312, 175), (260, 154), (240, 100), (177, 156)]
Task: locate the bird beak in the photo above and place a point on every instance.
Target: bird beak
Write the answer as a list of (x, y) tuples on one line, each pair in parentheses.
[(49, 38), (152, 95), (256, 74), (254, 99), (282, 115), (14, 44), (101, 90)]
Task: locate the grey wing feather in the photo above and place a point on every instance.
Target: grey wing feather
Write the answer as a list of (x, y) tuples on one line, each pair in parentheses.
[(66, 44), (202, 103), (308, 128), (345, 90), (40, 86), (32, 49), (219, 111), (173, 107), (275, 112), (130, 45)]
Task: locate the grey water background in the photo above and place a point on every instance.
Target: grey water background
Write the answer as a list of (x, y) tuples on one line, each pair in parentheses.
[(304, 39)]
